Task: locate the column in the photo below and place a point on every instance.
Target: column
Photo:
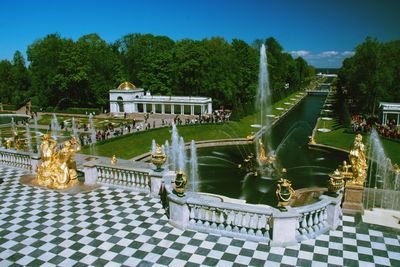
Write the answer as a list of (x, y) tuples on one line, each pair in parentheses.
[(145, 107), (191, 109), (162, 108), (398, 117), (172, 109), (182, 109), (202, 108), (209, 108), (153, 108)]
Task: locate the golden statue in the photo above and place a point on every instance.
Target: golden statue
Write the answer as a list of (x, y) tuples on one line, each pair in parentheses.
[(263, 158), (158, 158), (57, 169), (396, 168), (7, 143), (17, 143), (114, 160), (358, 161)]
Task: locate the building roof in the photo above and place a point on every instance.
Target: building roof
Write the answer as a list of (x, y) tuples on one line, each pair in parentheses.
[(126, 86), (386, 106)]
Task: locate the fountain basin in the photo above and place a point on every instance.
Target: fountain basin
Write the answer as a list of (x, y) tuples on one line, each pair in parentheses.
[(279, 108), (324, 130)]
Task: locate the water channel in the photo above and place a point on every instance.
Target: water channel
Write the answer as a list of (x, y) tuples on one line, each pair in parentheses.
[(218, 166)]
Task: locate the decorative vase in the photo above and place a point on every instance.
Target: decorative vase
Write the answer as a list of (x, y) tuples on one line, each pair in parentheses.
[(158, 158), (180, 183)]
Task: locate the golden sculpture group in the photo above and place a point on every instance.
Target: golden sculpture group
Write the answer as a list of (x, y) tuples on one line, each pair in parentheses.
[(58, 168), (284, 192)]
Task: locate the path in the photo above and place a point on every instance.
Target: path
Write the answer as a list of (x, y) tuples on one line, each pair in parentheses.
[(114, 227)]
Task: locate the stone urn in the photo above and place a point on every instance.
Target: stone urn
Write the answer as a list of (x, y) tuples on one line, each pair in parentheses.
[(158, 158), (180, 183), (284, 192), (336, 182)]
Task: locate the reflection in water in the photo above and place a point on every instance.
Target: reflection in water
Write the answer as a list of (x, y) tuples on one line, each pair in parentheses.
[(219, 173)]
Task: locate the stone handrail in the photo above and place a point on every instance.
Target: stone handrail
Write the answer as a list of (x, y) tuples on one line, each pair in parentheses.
[(18, 159), (252, 222), (123, 177)]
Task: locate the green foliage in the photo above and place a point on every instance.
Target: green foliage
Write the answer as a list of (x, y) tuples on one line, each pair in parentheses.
[(64, 73), (371, 75)]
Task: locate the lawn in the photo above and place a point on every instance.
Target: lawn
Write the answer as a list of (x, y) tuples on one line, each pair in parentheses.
[(135, 144)]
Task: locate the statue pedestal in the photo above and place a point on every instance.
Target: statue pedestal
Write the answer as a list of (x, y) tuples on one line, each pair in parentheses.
[(353, 199)]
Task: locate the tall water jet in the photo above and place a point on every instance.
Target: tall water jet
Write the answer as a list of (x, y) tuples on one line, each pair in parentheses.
[(153, 146), (168, 153), (92, 129), (194, 176), (182, 155), (383, 180), (28, 138), (174, 148), (55, 128), (74, 129), (263, 103), (37, 137), (13, 128)]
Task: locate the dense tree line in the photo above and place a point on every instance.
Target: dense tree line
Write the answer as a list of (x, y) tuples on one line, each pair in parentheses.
[(370, 76), (66, 73)]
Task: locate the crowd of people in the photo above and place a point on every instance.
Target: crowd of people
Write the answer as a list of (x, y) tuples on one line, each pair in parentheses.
[(364, 125)]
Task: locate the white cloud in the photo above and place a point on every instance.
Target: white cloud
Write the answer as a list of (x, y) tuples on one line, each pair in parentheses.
[(348, 53), (299, 53), (328, 54)]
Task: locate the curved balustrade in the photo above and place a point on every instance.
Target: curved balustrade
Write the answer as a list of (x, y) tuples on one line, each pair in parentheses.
[(16, 159), (232, 219), (123, 177)]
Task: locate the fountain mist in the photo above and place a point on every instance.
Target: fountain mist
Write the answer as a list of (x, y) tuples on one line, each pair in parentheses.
[(193, 166)]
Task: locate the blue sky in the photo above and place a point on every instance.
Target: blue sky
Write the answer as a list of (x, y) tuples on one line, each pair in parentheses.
[(323, 32)]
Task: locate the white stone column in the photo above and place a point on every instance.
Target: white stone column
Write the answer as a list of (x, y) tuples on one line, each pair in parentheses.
[(182, 109), (163, 108), (172, 109), (191, 109), (145, 107), (398, 117), (202, 108), (210, 108), (135, 107), (153, 108)]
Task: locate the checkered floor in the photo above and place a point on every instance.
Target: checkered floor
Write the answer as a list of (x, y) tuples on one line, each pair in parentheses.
[(109, 227)]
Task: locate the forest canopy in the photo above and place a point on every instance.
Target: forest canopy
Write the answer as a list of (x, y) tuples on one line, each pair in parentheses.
[(61, 72)]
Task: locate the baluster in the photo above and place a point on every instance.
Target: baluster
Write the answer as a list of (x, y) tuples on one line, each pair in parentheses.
[(298, 226), (253, 224), (245, 223), (214, 219), (199, 216), (206, 217), (316, 221), (237, 221), (310, 223), (192, 216), (266, 234), (324, 217), (261, 223), (229, 220), (304, 224), (142, 180), (221, 220)]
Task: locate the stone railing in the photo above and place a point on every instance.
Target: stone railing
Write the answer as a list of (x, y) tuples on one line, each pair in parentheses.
[(131, 178), (123, 177), (211, 214), (18, 159)]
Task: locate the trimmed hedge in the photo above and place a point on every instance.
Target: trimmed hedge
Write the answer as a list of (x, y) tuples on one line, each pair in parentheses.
[(73, 110), (9, 107)]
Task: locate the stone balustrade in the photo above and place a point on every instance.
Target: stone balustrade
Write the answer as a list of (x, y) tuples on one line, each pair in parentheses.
[(123, 177), (263, 223), (18, 159), (229, 219)]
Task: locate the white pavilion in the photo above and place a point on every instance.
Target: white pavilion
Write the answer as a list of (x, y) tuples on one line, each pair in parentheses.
[(390, 111), (127, 98)]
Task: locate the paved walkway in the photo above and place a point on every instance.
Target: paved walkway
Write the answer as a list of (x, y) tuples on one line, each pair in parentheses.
[(112, 227)]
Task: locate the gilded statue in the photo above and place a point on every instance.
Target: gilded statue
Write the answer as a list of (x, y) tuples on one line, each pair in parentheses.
[(58, 168), (261, 151), (358, 161), (17, 143)]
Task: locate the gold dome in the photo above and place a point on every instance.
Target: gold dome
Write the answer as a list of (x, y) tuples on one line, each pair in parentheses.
[(126, 86)]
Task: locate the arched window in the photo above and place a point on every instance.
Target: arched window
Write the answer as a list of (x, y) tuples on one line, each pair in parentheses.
[(120, 103)]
